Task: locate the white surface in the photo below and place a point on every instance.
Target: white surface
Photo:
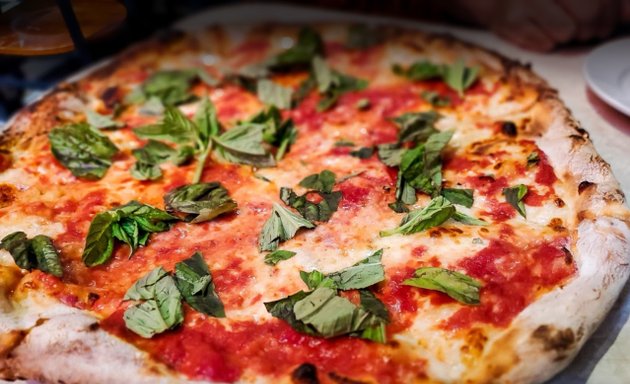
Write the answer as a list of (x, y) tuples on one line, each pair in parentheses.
[(607, 71), (605, 358)]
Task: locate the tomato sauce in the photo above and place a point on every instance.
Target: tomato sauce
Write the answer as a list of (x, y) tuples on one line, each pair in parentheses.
[(205, 349), (512, 276), (545, 174)]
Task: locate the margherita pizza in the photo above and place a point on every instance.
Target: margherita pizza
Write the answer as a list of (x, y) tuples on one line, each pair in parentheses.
[(321, 204)]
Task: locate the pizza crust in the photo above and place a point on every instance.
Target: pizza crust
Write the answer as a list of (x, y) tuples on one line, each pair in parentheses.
[(546, 335)]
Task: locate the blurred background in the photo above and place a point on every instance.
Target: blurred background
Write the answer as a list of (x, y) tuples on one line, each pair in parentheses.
[(43, 41)]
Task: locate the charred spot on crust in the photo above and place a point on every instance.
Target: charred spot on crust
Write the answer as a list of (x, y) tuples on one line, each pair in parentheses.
[(559, 202), (337, 378), (92, 297), (582, 132), (568, 256), (509, 128), (558, 340), (7, 195), (584, 185), (93, 327), (305, 374), (577, 138)]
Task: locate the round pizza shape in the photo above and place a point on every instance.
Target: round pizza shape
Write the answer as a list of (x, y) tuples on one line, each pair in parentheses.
[(330, 203)]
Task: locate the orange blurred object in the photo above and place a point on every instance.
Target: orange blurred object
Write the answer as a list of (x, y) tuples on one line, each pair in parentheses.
[(38, 27)]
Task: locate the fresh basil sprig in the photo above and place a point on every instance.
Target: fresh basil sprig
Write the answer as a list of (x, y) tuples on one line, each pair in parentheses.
[(459, 196), (131, 224), (457, 285), (171, 87), (36, 253), (83, 150), (514, 196), (276, 132), (199, 202), (416, 126)]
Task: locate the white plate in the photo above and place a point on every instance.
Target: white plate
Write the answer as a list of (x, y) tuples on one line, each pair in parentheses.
[(607, 72)]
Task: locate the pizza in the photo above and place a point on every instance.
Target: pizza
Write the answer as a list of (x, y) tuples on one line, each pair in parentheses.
[(330, 203)]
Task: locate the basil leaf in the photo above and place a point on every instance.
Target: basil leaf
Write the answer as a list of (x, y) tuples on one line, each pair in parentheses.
[(36, 253), (422, 167), (468, 220), (131, 224), (84, 151), (420, 70), (99, 243), (274, 94), (361, 36), (162, 309), (243, 144), (155, 153), (435, 99), (315, 279), (277, 256), (175, 127), (324, 75), (363, 274), (379, 317), (171, 87), (514, 196), (308, 45), (329, 314), (206, 121), (459, 77), (282, 225), (390, 154), (200, 202), (283, 309), (405, 195), (322, 182), (416, 126), (145, 171), (458, 286), (321, 211), (459, 196), (194, 281), (99, 121), (144, 288), (533, 159), (342, 84), (277, 132), (304, 89), (19, 247), (145, 319), (435, 213), (152, 107), (46, 255), (363, 153)]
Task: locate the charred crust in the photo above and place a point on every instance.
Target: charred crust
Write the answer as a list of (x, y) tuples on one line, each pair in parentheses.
[(559, 202), (305, 374), (568, 256), (337, 378), (577, 139), (557, 340), (583, 132), (93, 327), (509, 129), (584, 185)]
